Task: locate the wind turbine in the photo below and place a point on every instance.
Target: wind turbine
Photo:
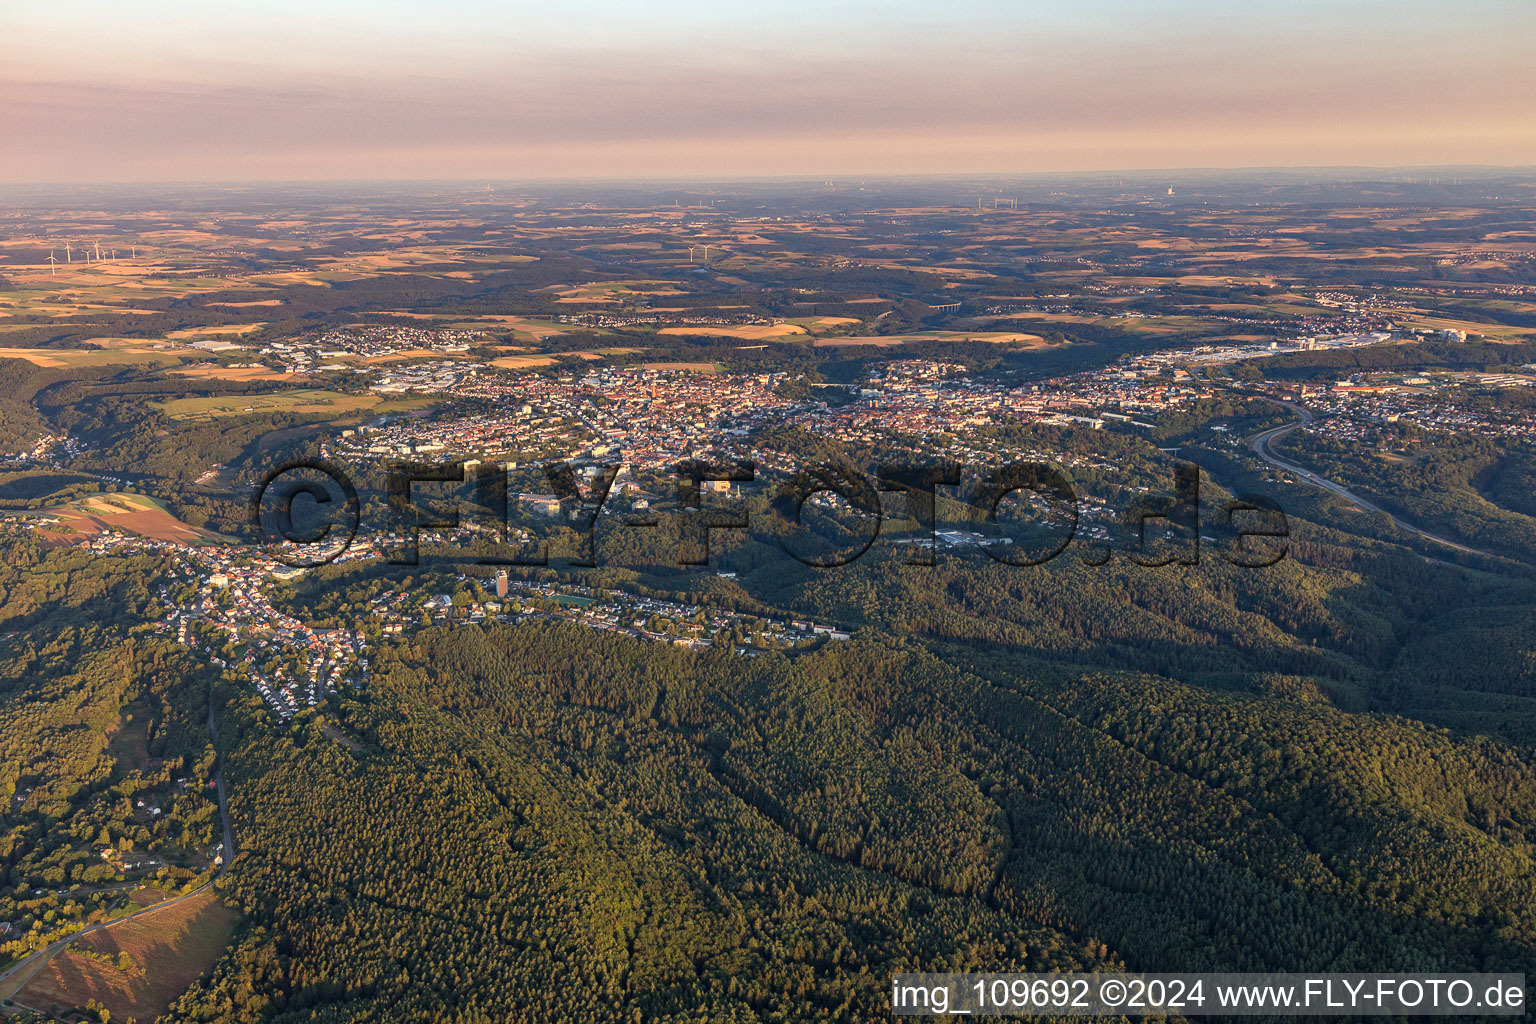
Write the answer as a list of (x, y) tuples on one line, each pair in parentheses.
[(67, 257), (53, 261), (98, 250), (690, 252)]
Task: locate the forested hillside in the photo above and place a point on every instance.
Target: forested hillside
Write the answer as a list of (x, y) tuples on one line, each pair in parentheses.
[(99, 723), (554, 819)]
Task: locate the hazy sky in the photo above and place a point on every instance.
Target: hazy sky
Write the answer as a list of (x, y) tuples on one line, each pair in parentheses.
[(234, 90)]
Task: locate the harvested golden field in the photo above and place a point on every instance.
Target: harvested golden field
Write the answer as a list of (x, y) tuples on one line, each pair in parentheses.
[(521, 362), (93, 356), (888, 340), (216, 332), (816, 324), (749, 332)]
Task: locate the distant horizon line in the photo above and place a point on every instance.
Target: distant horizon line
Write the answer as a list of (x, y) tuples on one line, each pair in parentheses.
[(482, 181)]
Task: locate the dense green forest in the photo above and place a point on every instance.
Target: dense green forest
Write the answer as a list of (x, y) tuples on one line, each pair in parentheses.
[(564, 822)]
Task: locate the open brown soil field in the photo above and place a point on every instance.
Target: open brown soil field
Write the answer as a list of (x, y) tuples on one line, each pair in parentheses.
[(166, 951), (130, 513)]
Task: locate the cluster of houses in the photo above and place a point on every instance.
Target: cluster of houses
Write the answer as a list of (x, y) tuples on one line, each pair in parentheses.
[(615, 611), (291, 664), (340, 349), (1359, 408), (653, 416)]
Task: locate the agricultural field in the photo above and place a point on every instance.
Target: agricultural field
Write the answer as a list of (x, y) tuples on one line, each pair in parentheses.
[(122, 355), (524, 361), (895, 340), (214, 371), (688, 367), (615, 291), (1492, 331), (746, 332), (1167, 324), (127, 513), (219, 332), (824, 323), (136, 968), (302, 400)]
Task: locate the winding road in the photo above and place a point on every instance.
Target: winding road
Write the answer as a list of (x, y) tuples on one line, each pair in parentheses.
[(1260, 444), (40, 958)]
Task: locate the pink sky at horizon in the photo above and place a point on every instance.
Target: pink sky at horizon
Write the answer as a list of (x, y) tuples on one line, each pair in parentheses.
[(376, 93)]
